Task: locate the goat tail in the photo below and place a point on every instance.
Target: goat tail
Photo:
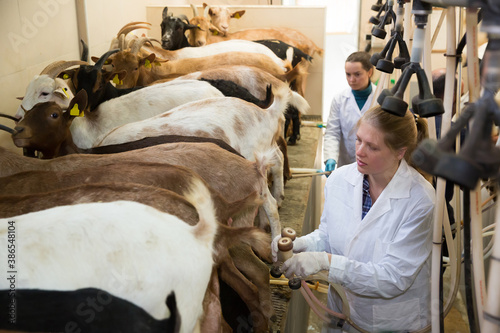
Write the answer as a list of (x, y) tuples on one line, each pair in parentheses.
[(281, 98), (257, 239), (300, 103), (199, 196), (264, 160)]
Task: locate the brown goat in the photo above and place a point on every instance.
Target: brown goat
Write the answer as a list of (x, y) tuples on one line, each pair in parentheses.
[(137, 70), (169, 177), (236, 177)]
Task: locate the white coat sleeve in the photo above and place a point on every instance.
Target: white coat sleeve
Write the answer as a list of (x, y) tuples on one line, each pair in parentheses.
[(401, 263), (333, 132)]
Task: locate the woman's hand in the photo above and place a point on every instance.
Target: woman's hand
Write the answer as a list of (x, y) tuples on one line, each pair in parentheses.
[(305, 264), (330, 165), (299, 245)]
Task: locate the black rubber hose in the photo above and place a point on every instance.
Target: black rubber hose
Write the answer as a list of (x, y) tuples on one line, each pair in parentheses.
[(469, 297)]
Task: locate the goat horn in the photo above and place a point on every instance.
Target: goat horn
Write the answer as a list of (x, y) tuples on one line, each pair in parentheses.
[(134, 49), (7, 129), (57, 67), (98, 65), (8, 116), (121, 42), (205, 12), (85, 51), (195, 10), (127, 27), (183, 17)]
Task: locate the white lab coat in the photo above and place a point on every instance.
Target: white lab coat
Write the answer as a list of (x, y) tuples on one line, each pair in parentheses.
[(382, 261), (340, 134)]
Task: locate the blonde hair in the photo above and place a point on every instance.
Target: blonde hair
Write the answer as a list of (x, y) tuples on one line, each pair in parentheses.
[(399, 132)]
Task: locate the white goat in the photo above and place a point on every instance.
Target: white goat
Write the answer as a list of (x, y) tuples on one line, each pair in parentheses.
[(129, 249), (46, 87), (235, 45), (138, 105)]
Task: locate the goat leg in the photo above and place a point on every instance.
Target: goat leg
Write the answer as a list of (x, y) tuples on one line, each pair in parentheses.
[(257, 272), (247, 291)]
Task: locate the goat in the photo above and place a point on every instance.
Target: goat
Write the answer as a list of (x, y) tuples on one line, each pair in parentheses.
[(173, 31), (220, 16), (49, 188), (113, 107), (47, 87), (138, 70), (258, 135), (255, 80), (90, 245), (242, 125), (88, 310), (209, 34), (240, 177), (168, 177)]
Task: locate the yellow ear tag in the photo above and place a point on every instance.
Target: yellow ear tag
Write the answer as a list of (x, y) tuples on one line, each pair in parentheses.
[(65, 93), (215, 32), (65, 76), (157, 63), (75, 111), (116, 80), (237, 15), (147, 64), (199, 26)]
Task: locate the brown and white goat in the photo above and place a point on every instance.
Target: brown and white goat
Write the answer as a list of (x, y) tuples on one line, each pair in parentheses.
[(255, 80), (258, 134), (49, 189)]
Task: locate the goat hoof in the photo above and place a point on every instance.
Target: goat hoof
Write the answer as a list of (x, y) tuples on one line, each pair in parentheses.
[(292, 141)]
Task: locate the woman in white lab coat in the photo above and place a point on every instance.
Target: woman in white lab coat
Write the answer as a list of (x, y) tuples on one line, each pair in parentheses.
[(346, 109), (375, 234)]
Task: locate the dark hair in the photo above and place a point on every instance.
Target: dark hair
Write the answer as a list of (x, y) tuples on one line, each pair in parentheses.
[(362, 57), (399, 132)]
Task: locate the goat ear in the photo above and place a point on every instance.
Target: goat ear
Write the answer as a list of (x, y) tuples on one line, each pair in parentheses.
[(94, 59), (164, 13), (213, 30), (77, 105), (147, 61), (204, 5), (237, 14)]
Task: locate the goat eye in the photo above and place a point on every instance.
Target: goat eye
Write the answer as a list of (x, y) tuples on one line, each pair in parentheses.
[(44, 93), (54, 115)]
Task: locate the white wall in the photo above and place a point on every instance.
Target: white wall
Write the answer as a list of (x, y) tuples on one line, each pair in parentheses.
[(308, 20), (35, 33)]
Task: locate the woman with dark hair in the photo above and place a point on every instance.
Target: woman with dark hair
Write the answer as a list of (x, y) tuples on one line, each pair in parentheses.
[(346, 109), (375, 235)]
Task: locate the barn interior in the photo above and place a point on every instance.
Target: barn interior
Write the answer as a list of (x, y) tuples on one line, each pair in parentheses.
[(236, 293)]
